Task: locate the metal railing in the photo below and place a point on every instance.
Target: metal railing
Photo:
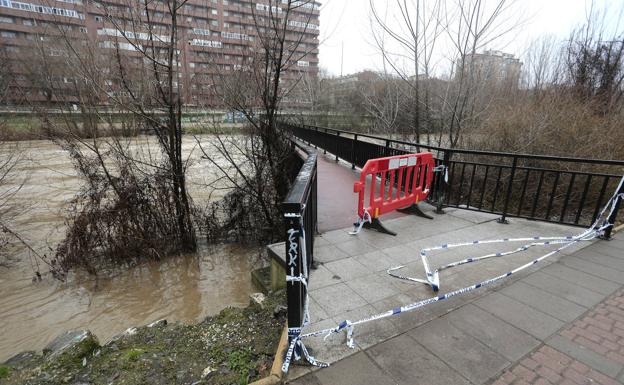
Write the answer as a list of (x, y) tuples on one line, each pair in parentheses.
[(300, 217), (554, 189)]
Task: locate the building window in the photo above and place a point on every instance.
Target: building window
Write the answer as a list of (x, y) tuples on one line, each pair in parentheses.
[(8, 34), (201, 31), (206, 43), (39, 8), (233, 35), (83, 29), (8, 20), (98, 18)]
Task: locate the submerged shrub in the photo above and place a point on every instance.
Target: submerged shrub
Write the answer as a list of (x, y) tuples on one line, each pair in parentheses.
[(120, 219)]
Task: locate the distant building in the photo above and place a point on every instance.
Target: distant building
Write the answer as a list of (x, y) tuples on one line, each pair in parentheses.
[(343, 86), (491, 66)]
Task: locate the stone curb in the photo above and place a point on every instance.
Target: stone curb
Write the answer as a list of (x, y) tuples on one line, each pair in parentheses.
[(276, 370)]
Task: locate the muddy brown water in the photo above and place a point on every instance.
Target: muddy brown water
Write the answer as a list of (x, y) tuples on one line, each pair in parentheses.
[(185, 288)]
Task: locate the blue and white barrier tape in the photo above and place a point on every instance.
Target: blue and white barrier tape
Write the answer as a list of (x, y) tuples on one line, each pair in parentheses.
[(592, 232), (357, 226), (433, 276)]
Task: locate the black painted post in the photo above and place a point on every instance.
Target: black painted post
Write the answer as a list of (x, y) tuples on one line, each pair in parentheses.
[(353, 152), (503, 219), (446, 161), (337, 134), (295, 295), (614, 214), (325, 146)]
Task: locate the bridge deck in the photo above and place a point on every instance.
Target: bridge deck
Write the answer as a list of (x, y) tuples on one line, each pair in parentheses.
[(471, 339), (337, 201)]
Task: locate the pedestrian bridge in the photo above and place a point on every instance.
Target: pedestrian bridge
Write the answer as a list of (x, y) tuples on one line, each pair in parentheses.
[(510, 331)]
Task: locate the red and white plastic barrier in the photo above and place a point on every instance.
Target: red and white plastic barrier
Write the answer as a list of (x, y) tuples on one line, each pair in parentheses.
[(396, 182)]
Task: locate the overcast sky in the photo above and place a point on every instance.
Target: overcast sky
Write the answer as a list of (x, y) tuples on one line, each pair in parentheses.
[(346, 23)]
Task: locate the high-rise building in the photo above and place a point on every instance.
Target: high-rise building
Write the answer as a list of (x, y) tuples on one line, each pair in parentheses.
[(216, 38), (491, 66)]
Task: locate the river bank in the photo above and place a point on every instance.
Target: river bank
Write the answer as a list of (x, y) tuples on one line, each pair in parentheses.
[(235, 346)]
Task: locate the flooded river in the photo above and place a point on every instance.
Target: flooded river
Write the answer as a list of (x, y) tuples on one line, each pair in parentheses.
[(185, 288)]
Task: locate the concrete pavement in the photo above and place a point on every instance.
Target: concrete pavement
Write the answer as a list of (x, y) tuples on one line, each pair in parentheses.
[(562, 323)]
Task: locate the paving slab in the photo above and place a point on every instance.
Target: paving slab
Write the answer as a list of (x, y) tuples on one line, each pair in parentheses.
[(358, 370), (464, 353), (594, 269), (564, 289), (373, 287), (408, 362), (328, 253), (347, 268), (601, 259), (376, 261), (545, 302), (337, 298), (613, 247), (355, 246), (532, 321), (580, 278), (321, 276), (500, 336), (337, 236)]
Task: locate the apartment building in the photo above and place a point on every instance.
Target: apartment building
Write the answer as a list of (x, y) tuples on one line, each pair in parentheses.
[(215, 39), (491, 66)]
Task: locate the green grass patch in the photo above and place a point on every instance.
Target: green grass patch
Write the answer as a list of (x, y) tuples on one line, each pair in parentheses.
[(241, 361), (133, 354), (4, 371)]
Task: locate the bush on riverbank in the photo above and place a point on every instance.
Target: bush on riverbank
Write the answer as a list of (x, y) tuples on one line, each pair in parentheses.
[(236, 346)]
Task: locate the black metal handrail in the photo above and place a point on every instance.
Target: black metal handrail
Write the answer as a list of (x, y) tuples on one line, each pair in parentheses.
[(300, 217), (566, 190)]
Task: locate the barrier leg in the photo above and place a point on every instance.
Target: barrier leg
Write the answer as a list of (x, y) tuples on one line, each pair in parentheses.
[(414, 210), (377, 225)]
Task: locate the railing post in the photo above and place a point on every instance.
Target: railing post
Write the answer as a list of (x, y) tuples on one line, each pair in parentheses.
[(353, 152), (316, 136), (294, 268), (325, 149), (337, 134), (503, 219), (446, 161), (614, 214)]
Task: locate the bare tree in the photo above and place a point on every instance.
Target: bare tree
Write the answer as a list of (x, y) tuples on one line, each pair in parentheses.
[(541, 65), (410, 35), (595, 63), (417, 32), (135, 202)]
